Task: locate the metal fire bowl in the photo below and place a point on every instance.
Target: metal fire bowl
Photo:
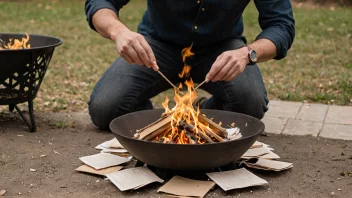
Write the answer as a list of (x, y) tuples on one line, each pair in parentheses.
[(186, 157)]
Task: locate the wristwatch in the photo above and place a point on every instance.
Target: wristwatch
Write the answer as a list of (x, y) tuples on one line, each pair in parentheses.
[(252, 55)]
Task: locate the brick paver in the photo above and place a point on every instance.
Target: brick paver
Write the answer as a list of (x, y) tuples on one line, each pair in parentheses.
[(301, 127), (283, 109), (337, 131), (339, 115), (312, 112), (274, 124)]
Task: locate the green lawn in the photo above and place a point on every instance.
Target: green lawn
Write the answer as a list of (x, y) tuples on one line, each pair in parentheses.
[(317, 69)]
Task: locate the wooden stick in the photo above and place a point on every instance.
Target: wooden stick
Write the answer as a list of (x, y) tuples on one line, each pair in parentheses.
[(212, 125), (189, 127), (154, 129)]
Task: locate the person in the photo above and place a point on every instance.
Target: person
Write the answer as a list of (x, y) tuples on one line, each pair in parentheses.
[(221, 53)]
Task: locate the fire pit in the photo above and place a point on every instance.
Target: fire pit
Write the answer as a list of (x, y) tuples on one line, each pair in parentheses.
[(22, 71), (186, 156)]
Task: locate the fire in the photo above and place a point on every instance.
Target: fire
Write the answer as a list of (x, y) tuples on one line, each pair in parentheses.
[(184, 112), (16, 44)]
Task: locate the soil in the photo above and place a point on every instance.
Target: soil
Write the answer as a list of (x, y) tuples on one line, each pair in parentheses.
[(322, 167)]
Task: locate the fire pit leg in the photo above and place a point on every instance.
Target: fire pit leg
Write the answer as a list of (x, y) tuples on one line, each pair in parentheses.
[(32, 125), (11, 108)]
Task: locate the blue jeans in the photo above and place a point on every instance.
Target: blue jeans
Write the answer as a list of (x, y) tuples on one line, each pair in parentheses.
[(126, 88)]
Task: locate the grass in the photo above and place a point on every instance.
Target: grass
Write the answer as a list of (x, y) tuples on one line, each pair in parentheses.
[(317, 69)]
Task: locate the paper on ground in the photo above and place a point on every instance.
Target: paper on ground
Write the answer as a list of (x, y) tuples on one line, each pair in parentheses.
[(255, 152), (234, 179), (114, 143), (181, 186), (2, 192), (103, 160), (103, 172), (112, 150), (257, 144), (266, 164), (133, 178), (270, 155)]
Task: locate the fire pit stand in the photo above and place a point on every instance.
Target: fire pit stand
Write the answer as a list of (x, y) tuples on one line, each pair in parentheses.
[(22, 72)]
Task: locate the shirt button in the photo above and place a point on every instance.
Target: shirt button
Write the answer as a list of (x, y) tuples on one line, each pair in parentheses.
[(203, 9), (198, 2), (195, 27)]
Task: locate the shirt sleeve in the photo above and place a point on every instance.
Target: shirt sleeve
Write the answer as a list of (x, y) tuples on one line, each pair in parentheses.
[(277, 24), (92, 6)]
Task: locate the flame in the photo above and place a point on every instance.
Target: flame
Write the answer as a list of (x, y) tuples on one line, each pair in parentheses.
[(184, 110), (17, 44)]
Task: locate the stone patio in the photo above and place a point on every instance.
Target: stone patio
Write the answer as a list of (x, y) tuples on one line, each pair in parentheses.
[(296, 118)]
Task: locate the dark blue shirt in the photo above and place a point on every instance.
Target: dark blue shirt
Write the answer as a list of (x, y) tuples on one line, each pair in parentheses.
[(206, 22)]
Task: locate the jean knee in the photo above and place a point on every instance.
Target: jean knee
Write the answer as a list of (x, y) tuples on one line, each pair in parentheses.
[(99, 113)]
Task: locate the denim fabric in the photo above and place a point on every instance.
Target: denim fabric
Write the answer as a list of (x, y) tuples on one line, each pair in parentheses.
[(206, 22), (126, 88)]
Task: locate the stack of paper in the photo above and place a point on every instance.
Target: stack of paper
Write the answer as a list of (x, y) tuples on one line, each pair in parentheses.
[(266, 164), (112, 146), (265, 158), (180, 186)]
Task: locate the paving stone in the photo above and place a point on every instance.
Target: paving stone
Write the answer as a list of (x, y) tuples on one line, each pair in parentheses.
[(301, 127), (274, 125), (337, 131), (339, 115), (312, 112), (283, 109)]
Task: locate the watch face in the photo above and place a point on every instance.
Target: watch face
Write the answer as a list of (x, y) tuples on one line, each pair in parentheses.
[(253, 56)]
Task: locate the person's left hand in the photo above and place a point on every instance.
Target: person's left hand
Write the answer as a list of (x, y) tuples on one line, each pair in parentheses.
[(228, 65)]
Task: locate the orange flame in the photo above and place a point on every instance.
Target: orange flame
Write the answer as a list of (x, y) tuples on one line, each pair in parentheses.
[(17, 44), (184, 110)]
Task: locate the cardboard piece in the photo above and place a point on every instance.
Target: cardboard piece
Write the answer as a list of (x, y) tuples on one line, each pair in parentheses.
[(103, 160), (266, 164), (181, 186), (102, 172), (255, 152), (133, 178), (234, 179)]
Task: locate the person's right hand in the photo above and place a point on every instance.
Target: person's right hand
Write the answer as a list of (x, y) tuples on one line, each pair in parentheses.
[(135, 49)]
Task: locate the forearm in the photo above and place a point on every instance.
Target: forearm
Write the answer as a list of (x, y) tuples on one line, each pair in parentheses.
[(107, 23), (264, 48)]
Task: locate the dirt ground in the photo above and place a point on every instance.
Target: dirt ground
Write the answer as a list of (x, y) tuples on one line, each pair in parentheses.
[(321, 166)]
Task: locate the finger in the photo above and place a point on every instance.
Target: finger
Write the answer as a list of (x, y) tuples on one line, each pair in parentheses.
[(223, 71), (142, 54), (234, 75), (228, 75), (150, 53), (127, 58), (217, 65), (131, 52)]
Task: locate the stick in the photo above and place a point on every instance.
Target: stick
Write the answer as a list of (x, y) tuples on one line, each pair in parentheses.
[(170, 82), (205, 81), (189, 127), (215, 127)]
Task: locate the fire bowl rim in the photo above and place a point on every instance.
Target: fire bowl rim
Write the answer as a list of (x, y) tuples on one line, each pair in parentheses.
[(260, 131), (58, 42)]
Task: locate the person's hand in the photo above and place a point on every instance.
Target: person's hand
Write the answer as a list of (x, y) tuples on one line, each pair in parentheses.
[(228, 65), (135, 49)]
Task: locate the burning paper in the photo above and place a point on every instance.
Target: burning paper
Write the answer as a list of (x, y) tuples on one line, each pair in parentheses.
[(240, 178), (181, 186), (133, 178), (103, 160)]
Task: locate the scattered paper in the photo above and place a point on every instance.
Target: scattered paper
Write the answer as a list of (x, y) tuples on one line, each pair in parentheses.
[(2, 192), (233, 133), (266, 164), (133, 178), (181, 186), (270, 155), (111, 150), (114, 143), (257, 144), (255, 152), (235, 179), (103, 160), (32, 170), (102, 172)]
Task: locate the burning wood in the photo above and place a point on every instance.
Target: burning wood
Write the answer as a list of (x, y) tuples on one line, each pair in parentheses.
[(183, 124), (15, 44)]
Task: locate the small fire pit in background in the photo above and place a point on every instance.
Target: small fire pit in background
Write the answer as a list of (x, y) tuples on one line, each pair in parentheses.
[(22, 71)]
